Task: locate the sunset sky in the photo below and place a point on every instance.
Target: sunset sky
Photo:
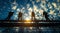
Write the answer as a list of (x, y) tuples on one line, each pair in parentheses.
[(52, 7)]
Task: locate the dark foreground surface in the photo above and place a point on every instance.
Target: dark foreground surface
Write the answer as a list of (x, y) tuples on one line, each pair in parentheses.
[(14, 26), (29, 30)]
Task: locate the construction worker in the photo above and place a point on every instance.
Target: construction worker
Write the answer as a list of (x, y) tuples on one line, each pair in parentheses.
[(45, 14), (33, 16), (20, 16), (9, 15)]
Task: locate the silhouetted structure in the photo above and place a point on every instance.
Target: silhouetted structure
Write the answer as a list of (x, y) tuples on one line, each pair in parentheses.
[(46, 15), (20, 16), (32, 15), (9, 15)]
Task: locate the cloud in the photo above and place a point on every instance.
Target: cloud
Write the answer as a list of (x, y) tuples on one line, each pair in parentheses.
[(14, 7), (54, 4), (41, 11), (51, 12), (30, 9), (18, 9)]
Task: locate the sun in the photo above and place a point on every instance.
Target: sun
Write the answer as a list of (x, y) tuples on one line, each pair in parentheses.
[(28, 19)]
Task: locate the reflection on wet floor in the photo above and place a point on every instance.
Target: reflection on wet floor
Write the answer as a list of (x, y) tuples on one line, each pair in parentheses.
[(29, 30)]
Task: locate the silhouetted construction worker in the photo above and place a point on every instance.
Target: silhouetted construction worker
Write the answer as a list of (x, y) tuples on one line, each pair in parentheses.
[(20, 16), (46, 15), (33, 16), (9, 15)]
